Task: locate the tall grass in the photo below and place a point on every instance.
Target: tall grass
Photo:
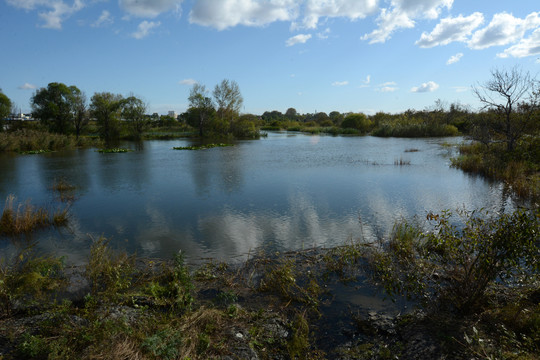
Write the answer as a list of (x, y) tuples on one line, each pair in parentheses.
[(23, 218), (520, 169), (34, 140)]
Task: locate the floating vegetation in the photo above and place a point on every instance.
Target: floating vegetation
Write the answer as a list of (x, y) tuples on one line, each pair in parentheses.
[(201, 147), (34, 152), (114, 150), (412, 150)]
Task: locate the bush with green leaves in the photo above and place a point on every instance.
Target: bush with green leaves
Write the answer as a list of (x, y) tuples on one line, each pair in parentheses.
[(457, 262)]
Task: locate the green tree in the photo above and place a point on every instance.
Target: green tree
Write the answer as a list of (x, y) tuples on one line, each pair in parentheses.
[(79, 109), (106, 108), (336, 117), (514, 96), (5, 108), (54, 106), (229, 100), (201, 109), (357, 121), (134, 112)]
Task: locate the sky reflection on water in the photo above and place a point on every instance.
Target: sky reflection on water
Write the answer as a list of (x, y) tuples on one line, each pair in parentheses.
[(284, 192)]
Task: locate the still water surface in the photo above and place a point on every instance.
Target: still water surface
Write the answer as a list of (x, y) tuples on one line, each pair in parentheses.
[(284, 192)]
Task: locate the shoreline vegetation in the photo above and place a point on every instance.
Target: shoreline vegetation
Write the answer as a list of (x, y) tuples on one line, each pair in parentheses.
[(475, 292)]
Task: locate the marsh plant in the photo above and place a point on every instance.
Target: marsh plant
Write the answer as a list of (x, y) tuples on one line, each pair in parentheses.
[(24, 218)]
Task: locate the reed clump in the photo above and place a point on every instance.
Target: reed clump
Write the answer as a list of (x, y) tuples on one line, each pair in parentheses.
[(24, 218)]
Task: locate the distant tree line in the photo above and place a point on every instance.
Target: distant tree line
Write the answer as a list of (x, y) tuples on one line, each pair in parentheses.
[(511, 101)]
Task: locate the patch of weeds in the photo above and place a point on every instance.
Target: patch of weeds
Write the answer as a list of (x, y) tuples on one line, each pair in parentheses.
[(64, 189), (108, 272), (283, 278), (412, 150), (226, 298), (298, 345), (164, 344), (33, 347), (211, 271), (343, 260), (174, 286), (29, 279)]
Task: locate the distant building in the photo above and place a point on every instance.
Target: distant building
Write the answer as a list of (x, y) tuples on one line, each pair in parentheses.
[(173, 114), (20, 117)]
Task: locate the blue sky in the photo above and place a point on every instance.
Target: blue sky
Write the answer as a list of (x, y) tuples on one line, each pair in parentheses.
[(313, 55)]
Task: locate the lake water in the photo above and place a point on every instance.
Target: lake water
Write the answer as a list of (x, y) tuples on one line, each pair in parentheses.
[(284, 192)]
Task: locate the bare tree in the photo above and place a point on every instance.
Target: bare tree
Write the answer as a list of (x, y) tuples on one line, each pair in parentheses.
[(514, 97)]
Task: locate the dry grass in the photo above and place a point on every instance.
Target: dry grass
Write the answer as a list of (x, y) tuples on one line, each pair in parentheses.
[(65, 190), (23, 218)]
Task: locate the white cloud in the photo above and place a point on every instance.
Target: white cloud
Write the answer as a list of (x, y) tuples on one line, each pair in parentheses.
[(389, 86), (454, 59), (340, 83), (298, 39), (149, 8), (352, 9), (426, 87), (324, 34), (189, 82), (450, 30), (526, 47), (401, 14), (461, 88), (57, 10), (27, 86), (144, 29), (503, 29), (104, 19), (223, 14), (365, 83), (387, 89)]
